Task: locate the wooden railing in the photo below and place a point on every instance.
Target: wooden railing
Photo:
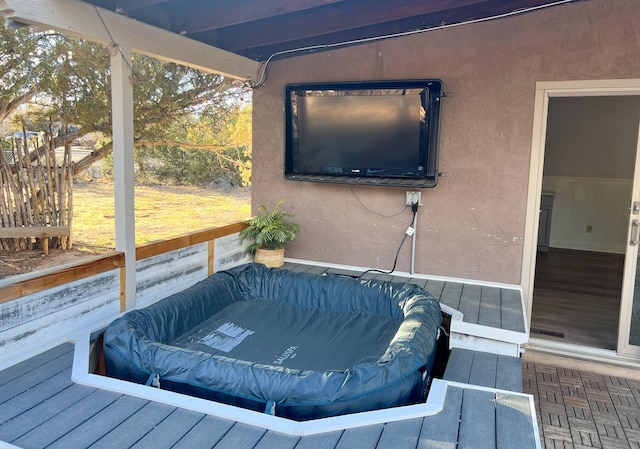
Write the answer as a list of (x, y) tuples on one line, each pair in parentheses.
[(38, 283), (99, 264)]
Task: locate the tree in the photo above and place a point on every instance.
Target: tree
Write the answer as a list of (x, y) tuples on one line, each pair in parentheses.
[(65, 82), (69, 81), (19, 70)]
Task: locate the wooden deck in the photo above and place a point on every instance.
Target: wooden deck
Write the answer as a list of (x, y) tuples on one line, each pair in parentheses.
[(41, 407)]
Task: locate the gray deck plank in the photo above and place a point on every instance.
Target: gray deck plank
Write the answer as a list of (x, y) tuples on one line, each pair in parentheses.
[(100, 424), (240, 436), (316, 269), (450, 295), (134, 427), (459, 365), (20, 369), (435, 288), (440, 431), (477, 420), (400, 434), (422, 283), (36, 416), (38, 374), (296, 267), (205, 434), (512, 416), (511, 310), (509, 373), (34, 396), (59, 425), (484, 369), (327, 440), (275, 440), (173, 428), (490, 314), (470, 303), (360, 437)]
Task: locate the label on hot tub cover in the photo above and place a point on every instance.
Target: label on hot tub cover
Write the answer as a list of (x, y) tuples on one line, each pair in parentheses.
[(226, 337)]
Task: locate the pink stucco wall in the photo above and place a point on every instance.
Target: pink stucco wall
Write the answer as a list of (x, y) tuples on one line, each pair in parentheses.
[(472, 224)]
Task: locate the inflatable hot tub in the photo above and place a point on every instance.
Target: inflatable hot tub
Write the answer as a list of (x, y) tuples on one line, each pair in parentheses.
[(306, 346)]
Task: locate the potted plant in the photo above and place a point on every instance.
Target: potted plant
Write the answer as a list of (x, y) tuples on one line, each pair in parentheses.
[(271, 232)]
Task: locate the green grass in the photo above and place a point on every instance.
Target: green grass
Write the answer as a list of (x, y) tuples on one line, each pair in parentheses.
[(161, 212)]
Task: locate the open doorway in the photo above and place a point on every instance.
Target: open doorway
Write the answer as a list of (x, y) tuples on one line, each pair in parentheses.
[(587, 189)]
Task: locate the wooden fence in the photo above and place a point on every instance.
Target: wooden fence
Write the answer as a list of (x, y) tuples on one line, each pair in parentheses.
[(36, 191)]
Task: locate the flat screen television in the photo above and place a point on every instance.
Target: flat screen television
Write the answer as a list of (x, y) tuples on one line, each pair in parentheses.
[(370, 132)]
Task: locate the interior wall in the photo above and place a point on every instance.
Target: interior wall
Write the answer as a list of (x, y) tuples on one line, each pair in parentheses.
[(589, 161), (472, 223)]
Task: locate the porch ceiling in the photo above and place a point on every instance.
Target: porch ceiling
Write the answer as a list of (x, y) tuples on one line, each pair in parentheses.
[(258, 29)]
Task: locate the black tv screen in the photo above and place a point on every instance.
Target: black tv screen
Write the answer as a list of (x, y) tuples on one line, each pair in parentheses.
[(375, 132)]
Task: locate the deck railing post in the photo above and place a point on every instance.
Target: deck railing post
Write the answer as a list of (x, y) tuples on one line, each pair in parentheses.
[(123, 167)]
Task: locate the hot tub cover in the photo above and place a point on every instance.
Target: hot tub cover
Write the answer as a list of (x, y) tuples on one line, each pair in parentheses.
[(201, 341)]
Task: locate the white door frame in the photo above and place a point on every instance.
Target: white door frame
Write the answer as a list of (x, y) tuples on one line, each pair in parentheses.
[(544, 91)]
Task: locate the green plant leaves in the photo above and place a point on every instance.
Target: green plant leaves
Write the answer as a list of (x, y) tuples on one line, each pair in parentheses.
[(270, 229)]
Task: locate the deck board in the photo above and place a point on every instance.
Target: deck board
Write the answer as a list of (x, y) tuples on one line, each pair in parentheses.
[(206, 433), (327, 440), (34, 396), (34, 376), (477, 420), (32, 363), (82, 417), (360, 437), (400, 434), (241, 436), (13, 429), (174, 427), (511, 415), (274, 439), (470, 301), (135, 427), (100, 424), (511, 310), (437, 431), (63, 423), (490, 306), (484, 369)]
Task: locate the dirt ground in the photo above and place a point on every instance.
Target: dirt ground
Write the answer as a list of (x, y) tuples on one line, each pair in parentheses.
[(15, 263)]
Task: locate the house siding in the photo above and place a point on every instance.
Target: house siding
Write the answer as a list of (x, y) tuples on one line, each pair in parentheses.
[(472, 223)]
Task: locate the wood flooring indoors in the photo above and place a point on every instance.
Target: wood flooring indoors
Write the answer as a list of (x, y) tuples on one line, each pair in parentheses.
[(576, 297)]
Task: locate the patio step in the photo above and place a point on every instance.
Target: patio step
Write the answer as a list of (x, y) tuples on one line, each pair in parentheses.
[(484, 369)]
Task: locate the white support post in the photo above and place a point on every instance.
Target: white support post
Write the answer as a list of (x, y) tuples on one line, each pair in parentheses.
[(123, 166)]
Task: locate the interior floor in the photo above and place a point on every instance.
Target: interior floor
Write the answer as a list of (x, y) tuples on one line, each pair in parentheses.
[(576, 297)]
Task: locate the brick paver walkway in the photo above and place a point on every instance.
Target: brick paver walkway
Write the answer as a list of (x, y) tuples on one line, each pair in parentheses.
[(578, 409)]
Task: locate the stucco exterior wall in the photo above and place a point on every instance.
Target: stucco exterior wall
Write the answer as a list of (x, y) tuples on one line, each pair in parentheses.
[(472, 223)]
